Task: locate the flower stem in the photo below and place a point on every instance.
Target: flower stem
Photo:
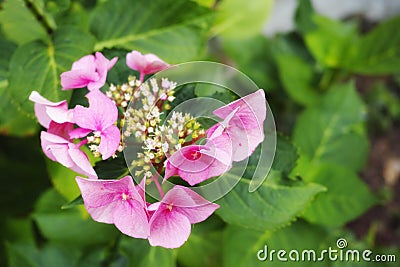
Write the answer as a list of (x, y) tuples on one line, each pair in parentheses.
[(155, 180)]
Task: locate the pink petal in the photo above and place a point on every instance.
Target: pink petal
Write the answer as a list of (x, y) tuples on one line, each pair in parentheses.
[(79, 133), (85, 63), (136, 61), (155, 64), (243, 123), (100, 114), (169, 229), (60, 115), (103, 64), (102, 67), (99, 201), (102, 197), (244, 147), (45, 143), (53, 138), (84, 118), (42, 106), (62, 130), (37, 98), (252, 109), (130, 218), (60, 153), (77, 78), (208, 162), (109, 143), (82, 164), (192, 205), (145, 64)]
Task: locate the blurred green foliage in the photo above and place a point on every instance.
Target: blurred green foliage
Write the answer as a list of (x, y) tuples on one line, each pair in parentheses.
[(314, 188)]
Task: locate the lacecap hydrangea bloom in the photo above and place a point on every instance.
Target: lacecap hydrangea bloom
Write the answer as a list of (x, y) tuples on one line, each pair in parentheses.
[(176, 145)]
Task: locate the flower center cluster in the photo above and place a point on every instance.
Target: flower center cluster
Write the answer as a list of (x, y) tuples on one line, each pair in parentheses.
[(145, 120)]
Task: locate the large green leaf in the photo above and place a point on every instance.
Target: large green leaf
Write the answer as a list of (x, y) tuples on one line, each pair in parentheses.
[(256, 61), (205, 240), (37, 66), (285, 155), (19, 23), (27, 255), (175, 30), (333, 131), (63, 180), (69, 226), (12, 122), (138, 252), (378, 52), (275, 203), (241, 19), (347, 196), (304, 16), (330, 41), (296, 76)]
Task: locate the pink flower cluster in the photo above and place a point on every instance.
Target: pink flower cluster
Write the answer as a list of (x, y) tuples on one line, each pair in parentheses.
[(233, 139), (165, 223)]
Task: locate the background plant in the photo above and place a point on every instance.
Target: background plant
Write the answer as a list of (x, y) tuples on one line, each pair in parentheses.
[(333, 87)]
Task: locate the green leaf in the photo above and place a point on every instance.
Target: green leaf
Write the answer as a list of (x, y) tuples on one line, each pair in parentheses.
[(138, 252), (275, 203), (333, 131), (207, 3), (175, 30), (242, 245), (27, 255), (111, 169), (346, 199), (257, 61), (378, 52), (22, 255), (19, 23), (331, 41), (303, 16), (297, 76), (285, 158), (63, 180), (205, 240), (76, 16), (77, 201), (19, 125), (7, 49), (12, 122), (285, 155), (69, 227), (37, 66), (239, 19), (23, 174), (207, 90)]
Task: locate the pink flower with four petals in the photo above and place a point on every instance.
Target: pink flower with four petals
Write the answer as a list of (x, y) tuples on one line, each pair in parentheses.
[(145, 64), (89, 71), (166, 223), (100, 118)]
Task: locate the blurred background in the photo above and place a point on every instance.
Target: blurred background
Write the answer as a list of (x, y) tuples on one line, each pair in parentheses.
[(331, 73)]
